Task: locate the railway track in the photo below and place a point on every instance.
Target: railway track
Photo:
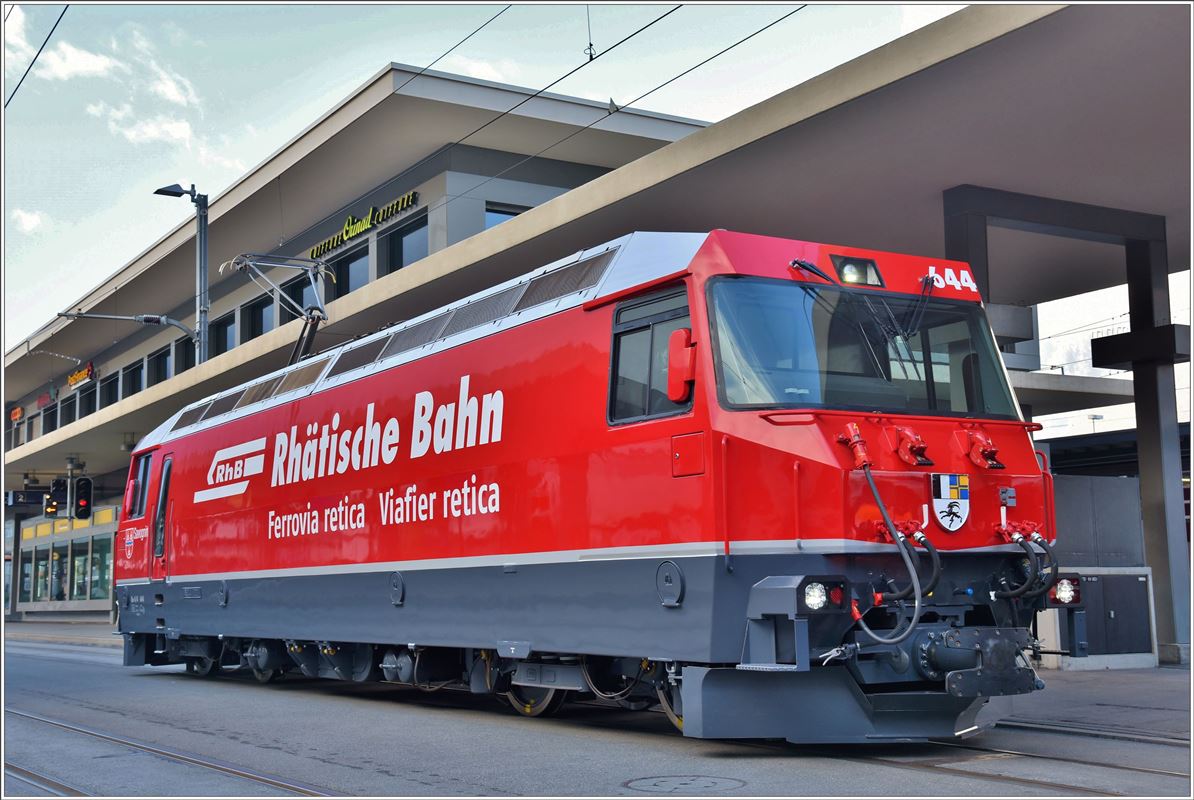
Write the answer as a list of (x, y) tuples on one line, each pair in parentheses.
[(42, 783), (178, 756)]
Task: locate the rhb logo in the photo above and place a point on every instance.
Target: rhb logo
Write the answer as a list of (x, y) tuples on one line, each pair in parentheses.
[(231, 469)]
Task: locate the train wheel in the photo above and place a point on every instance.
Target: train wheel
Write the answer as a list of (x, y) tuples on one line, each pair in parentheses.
[(669, 696), (203, 666), (266, 675), (534, 701)]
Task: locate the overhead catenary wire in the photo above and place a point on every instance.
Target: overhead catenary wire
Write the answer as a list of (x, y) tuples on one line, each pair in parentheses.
[(35, 55), (500, 115), (615, 110), (447, 52)]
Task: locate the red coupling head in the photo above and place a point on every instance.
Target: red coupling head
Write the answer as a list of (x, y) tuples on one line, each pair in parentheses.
[(911, 448), (855, 614), (983, 451), (852, 438), (1014, 531)]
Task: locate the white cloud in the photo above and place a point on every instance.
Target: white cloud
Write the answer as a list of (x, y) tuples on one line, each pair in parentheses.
[(209, 157), (17, 50), (29, 221), (503, 70), (172, 87), (65, 61), (159, 129)]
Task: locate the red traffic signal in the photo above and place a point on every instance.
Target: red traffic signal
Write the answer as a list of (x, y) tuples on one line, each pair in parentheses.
[(82, 504)]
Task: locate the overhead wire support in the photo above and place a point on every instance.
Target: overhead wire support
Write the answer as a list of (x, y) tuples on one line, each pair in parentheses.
[(614, 108), (35, 55)]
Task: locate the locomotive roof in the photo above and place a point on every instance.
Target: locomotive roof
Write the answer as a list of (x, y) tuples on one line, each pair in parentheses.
[(563, 284)]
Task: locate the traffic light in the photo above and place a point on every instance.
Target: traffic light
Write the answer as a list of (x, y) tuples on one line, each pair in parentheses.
[(82, 501), (56, 498)]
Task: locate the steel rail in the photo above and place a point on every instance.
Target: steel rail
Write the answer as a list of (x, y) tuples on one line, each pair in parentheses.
[(1095, 732), (182, 757), (42, 782), (1067, 759)]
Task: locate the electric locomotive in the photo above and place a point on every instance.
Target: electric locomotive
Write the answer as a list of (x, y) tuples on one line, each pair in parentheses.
[(779, 489)]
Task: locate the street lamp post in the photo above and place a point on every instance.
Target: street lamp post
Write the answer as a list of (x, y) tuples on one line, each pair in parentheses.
[(201, 298)]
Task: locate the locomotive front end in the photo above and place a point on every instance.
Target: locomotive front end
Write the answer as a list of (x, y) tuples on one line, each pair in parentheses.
[(866, 422)]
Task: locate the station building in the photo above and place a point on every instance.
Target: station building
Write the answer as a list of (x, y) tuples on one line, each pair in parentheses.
[(1012, 137)]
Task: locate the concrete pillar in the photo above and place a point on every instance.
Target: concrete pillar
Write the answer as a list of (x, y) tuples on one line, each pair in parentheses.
[(1158, 445)]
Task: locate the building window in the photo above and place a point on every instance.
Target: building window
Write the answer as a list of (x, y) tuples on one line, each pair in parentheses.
[(159, 366), (109, 391), (497, 213), (221, 335), (184, 355), (14, 434), (79, 556), (132, 379), (101, 567), (87, 397), (26, 592), (258, 317), (407, 245), (351, 271), (58, 567), (67, 410), (32, 428), (49, 419), (299, 290), (41, 574)]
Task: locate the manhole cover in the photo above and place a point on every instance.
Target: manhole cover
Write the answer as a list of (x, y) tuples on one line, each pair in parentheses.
[(684, 784)]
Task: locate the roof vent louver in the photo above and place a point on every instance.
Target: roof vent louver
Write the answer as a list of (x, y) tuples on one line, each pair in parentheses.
[(416, 335), (358, 356), (190, 416), (562, 282), (485, 310)]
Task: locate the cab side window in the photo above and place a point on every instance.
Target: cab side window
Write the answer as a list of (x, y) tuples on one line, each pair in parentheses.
[(141, 489), (638, 374)]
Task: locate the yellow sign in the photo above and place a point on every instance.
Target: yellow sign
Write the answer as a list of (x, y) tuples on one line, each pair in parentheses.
[(354, 227), (80, 376)]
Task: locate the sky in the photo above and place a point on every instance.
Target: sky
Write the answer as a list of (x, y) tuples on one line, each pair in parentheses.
[(127, 98)]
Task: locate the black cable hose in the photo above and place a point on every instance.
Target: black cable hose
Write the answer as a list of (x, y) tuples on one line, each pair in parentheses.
[(1033, 569), (1053, 569), (935, 557), (904, 547), (906, 592)]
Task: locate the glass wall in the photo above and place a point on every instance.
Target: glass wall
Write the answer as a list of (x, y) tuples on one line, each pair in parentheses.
[(184, 355), (497, 213), (59, 564), (87, 397), (258, 317), (351, 271), (109, 391), (406, 245), (49, 419), (41, 574), (101, 567), (132, 379), (159, 366), (26, 593), (80, 552), (221, 334), (67, 410)]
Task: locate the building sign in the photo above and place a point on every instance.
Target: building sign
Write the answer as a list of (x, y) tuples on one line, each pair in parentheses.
[(80, 376), (16, 414), (45, 398), (354, 227)]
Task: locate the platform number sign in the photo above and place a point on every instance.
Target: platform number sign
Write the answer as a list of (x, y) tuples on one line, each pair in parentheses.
[(961, 279)]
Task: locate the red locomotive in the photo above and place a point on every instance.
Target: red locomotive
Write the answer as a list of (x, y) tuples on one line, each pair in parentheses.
[(781, 489)]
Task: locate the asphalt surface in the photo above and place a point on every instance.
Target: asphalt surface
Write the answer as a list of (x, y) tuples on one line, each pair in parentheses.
[(339, 738)]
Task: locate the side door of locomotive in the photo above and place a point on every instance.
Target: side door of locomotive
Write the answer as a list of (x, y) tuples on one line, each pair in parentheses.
[(162, 521)]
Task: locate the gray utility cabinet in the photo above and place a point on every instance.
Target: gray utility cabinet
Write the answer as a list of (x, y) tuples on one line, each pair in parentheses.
[(1117, 615), (1099, 525)]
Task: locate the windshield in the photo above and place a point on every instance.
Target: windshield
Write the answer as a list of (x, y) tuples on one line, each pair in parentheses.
[(781, 344)]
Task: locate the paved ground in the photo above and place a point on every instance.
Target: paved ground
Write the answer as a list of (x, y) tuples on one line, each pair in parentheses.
[(380, 740)]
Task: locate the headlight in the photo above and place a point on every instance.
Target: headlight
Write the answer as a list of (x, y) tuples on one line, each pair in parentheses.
[(815, 596), (1064, 591)]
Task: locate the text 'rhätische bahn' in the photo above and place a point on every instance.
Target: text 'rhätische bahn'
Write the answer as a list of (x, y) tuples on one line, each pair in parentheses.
[(781, 489)]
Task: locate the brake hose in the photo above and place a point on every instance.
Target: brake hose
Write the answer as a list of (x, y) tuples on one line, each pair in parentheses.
[(934, 556), (904, 547), (1052, 569), (1033, 569)]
